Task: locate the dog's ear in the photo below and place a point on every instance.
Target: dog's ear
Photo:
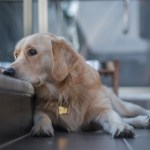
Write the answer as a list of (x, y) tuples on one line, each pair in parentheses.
[(64, 59)]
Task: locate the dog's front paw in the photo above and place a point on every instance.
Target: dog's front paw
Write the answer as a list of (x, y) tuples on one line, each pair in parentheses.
[(123, 131), (42, 129)]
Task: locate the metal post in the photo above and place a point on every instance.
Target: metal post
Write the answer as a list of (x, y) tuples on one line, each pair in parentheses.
[(43, 15), (27, 17)]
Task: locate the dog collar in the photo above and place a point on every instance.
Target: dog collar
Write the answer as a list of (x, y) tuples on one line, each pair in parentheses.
[(62, 110)]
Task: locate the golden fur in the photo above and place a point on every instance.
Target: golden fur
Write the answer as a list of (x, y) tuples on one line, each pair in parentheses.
[(61, 77)]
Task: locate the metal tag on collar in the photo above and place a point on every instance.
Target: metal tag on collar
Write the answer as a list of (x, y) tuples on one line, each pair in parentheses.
[(62, 110)]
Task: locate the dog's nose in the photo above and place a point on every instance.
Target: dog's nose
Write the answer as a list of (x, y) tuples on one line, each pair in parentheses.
[(9, 72)]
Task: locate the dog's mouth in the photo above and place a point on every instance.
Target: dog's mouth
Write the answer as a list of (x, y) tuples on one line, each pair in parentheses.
[(28, 78)]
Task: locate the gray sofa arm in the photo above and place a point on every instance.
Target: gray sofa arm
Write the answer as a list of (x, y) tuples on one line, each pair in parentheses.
[(16, 108), (15, 85)]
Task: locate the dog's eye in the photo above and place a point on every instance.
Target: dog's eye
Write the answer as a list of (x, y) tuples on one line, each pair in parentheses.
[(32, 52)]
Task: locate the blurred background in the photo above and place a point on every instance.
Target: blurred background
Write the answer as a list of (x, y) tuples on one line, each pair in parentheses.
[(100, 30)]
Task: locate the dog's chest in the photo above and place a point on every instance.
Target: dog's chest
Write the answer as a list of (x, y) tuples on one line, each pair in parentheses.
[(65, 116), (62, 110)]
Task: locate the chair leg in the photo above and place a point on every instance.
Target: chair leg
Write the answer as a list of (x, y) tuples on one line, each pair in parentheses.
[(116, 77)]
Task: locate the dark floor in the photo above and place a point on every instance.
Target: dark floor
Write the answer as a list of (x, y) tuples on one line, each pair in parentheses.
[(82, 141)]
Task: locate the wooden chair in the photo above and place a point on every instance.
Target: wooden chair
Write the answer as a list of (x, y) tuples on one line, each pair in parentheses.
[(111, 68)]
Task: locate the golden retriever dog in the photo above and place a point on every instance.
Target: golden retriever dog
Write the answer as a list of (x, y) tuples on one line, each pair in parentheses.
[(69, 93)]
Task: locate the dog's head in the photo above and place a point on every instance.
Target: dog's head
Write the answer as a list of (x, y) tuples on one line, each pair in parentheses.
[(44, 57)]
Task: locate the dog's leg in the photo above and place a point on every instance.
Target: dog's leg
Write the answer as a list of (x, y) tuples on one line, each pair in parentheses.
[(113, 124), (125, 109), (138, 122), (42, 125), (132, 110)]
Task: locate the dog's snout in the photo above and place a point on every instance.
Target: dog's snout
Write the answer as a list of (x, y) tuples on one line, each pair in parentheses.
[(9, 71)]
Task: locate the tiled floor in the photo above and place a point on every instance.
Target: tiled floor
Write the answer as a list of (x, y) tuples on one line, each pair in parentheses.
[(83, 141)]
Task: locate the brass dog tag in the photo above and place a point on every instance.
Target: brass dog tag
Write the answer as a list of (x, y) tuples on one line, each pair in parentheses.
[(62, 110)]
